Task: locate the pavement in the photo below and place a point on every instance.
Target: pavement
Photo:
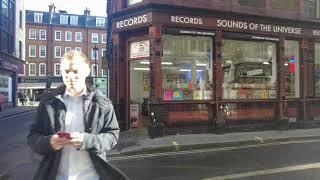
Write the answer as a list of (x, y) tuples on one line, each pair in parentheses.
[(8, 112)]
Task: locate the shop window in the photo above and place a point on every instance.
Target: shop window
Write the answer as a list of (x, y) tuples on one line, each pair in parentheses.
[(317, 69), (249, 69), (292, 73), (186, 68), (6, 88)]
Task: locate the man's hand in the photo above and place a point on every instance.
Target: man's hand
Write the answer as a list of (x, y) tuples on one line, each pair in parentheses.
[(76, 139), (58, 143)]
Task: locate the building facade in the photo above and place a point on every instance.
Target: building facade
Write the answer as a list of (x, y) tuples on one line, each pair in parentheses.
[(11, 54), (215, 63), (49, 35)]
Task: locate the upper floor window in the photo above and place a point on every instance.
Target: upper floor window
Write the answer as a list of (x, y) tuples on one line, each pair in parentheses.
[(32, 69), (32, 34), (37, 17), (67, 49), (78, 37), (57, 35), (74, 20), (57, 51), (42, 69), (20, 19), (311, 8), (94, 38), (64, 19), (78, 49), (43, 51), (94, 70), (104, 38), (68, 35), (32, 50), (57, 69), (42, 34), (95, 54), (130, 2), (100, 21)]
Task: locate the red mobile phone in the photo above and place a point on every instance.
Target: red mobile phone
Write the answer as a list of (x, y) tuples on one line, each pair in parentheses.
[(64, 134)]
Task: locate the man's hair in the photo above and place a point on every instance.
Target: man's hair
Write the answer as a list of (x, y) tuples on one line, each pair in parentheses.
[(75, 56)]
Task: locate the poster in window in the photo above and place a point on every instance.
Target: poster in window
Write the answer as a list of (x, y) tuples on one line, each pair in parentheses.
[(5, 89), (139, 49), (177, 95), (146, 82), (167, 95)]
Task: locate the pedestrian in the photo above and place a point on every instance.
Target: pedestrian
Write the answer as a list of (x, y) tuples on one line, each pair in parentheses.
[(74, 127)]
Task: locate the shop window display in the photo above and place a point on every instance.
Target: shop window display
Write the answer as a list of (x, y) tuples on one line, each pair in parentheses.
[(292, 72), (186, 68), (317, 69), (249, 69)]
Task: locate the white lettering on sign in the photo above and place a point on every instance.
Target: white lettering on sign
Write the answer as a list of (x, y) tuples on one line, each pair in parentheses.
[(186, 20), (258, 27), (132, 21), (316, 32)]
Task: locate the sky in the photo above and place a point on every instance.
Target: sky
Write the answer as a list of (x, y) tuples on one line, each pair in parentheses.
[(97, 7)]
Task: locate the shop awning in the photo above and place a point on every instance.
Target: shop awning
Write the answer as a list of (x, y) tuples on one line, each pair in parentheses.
[(31, 85)]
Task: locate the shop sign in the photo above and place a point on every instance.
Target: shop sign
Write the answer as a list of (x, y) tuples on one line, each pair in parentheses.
[(243, 25), (186, 20), (8, 65), (265, 38), (132, 21), (254, 72), (139, 49), (203, 33)]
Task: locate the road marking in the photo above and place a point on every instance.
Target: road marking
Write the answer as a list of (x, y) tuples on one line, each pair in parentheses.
[(140, 156), (175, 143), (267, 172), (259, 139)]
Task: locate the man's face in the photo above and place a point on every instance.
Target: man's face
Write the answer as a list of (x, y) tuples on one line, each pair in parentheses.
[(74, 74)]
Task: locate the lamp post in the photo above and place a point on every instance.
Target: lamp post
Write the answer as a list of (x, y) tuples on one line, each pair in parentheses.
[(95, 49)]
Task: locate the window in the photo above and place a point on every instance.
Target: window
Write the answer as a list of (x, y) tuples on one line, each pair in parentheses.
[(23, 71), (20, 50), (249, 69), (43, 51), (310, 8), (57, 69), (67, 49), (78, 49), (32, 34), (100, 21), (186, 67), (74, 20), (68, 35), (292, 72), (20, 19), (5, 8), (42, 34), (104, 73), (38, 17), (104, 38), (317, 69), (32, 50), (94, 38), (32, 69), (57, 35), (57, 51), (42, 69), (95, 54), (64, 19), (78, 37), (94, 70), (103, 52), (130, 2)]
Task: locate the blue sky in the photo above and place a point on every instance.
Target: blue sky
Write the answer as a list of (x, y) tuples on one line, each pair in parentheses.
[(97, 7)]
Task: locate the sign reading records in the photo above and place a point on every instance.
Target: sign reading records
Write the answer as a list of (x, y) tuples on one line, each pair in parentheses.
[(132, 21)]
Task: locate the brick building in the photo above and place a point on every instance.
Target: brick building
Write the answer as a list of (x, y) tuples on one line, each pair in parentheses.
[(216, 63), (49, 35)]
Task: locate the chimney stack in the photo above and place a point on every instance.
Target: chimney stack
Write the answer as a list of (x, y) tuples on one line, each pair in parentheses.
[(52, 8), (87, 12)]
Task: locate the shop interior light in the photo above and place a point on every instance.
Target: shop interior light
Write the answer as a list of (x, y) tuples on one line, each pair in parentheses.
[(286, 64), (229, 62), (201, 64), (199, 70), (144, 62), (266, 63), (141, 69), (166, 63), (185, 70)]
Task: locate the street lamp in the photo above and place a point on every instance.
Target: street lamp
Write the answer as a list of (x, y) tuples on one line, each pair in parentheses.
[(95, 49)]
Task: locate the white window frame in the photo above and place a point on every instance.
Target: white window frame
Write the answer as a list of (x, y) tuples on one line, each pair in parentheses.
[(31, 33), (94, 36), (66, 36), (35, 69), (102, 39), (45, 51), (55, 52), (37, 17), (66, 49), (92, 54), (78, 49), (102, 52), (104, 72), (55, 69), (55, 35), (73, 20), (100, 22), (76, 37), (45, 34), (92, 70), (45, 71), (64, 19), (35, 50)]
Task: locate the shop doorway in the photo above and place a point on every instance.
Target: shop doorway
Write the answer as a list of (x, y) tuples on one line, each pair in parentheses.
[(139, 93)]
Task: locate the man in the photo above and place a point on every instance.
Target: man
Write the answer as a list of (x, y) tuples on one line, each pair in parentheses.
[(90, 119)]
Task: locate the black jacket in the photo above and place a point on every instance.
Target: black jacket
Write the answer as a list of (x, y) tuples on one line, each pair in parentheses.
[(101, 133)]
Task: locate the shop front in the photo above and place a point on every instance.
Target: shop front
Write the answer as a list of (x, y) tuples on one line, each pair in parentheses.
[(212, 71)]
